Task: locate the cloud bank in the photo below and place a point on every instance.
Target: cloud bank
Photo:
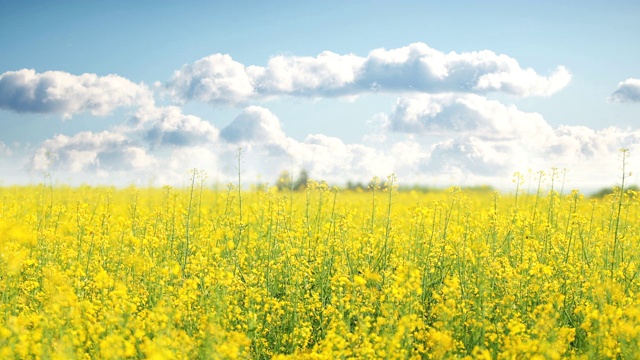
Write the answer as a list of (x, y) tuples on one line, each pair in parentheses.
[(219, 80), (480, 135), (90, 151), (65, 94), (464, 114), (441, 130), (438, 139)]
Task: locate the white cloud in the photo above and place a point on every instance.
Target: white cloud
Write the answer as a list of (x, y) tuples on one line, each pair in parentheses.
[(454, 139), (177, 164), (418, 67), (327, 74), (90, 151), (464, 137), (215, 79), (628, 91), (255, 125), (592, 156), (266, 148), (581, 143), (66, 94), (158, 144), (473, 156), (464, 115), (329, 158), (167, 125), (219, 80), (146, 148)]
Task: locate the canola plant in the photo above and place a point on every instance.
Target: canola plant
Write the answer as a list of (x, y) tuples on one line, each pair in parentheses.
[(167, 273)]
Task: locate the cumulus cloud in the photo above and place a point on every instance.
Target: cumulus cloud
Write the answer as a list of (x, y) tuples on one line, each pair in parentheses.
[(215, 79), (256, 125), (156, 144), (162, 144), (218, 79), (327, 74), (418, 67), (583, 144), (176, 166), (268, 150), (91, 151), (473, 156), (464, 114), (167, 125), (628, 92), (592, 156), (62, 93), (466, 139), (591, 161), (467, 136), (327, 157), (438, 139)]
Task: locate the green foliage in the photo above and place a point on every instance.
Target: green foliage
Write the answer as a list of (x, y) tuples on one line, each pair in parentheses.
[(285, 181), (609, 191)]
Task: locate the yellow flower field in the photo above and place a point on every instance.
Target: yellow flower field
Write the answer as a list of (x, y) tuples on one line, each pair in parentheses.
[(317, 274)]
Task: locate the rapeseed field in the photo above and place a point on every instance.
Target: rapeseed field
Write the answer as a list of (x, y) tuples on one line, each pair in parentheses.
[(323, 273)]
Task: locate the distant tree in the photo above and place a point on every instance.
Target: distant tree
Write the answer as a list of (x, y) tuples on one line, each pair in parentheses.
[(352, 186), (301, 182), (284, 181), (608, 191)]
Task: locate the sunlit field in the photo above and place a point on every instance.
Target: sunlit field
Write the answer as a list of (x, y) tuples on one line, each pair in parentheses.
[(185, 273)]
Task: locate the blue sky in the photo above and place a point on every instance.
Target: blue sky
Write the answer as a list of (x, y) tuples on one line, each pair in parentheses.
[(440, 93)]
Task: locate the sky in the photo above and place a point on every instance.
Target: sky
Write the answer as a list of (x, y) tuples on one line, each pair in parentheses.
[(439, 93)]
